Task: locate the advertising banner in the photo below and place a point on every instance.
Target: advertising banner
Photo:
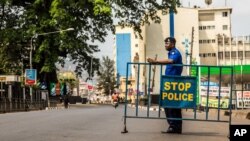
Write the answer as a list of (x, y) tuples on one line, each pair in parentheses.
[(245, 101), (213, 96), (224, 103), (55, 89), (214, 91), (30, 76)]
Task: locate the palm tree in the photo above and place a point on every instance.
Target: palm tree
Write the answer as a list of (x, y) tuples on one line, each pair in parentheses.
[(106, 76)]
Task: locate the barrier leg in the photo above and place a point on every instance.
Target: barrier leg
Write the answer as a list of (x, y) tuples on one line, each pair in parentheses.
[(124, 129)]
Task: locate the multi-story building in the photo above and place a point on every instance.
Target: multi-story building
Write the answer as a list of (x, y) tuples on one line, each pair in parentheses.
[(206, 30), (213, 22)]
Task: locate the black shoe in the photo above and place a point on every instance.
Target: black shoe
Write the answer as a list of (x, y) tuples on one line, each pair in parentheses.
[(173, 131)]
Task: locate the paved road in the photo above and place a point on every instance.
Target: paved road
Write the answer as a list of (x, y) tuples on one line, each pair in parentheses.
[(99, 123)]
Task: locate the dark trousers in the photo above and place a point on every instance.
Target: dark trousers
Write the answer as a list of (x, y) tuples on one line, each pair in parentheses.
[(174, 113)]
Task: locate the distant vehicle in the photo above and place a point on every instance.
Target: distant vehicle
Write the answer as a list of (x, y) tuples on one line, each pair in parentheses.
[(84, 95)]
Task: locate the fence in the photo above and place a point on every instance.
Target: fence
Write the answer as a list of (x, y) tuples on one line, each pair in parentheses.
[(148, 83), (14, 98)]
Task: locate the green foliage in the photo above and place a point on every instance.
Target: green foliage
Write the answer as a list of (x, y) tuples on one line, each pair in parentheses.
[(91, 19), (10, 39), (106, 76), (136, 13), (101, 7)]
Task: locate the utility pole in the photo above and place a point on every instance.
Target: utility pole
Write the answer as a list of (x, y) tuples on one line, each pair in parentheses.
[(91, 79), (191, 50)]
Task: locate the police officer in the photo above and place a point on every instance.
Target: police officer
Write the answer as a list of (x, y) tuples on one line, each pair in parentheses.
[(174, 57)]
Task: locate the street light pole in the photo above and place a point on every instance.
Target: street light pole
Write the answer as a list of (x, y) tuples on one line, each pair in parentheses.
[(31, 49)]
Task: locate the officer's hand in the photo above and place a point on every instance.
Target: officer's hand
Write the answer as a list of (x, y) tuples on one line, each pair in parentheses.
[(150, 60)]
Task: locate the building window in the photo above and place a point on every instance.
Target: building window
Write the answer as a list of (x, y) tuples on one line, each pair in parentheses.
[(136, 45), (213, 40), (206, 17), (225, 27), (200, 27), (226, 40), (204, 27), (200, 41), (204, 55), (209, 54), (247, 54), (200, 55), (247, 86), (233, 54), (224, 14), (208, 27), (220, 54), (213, 54), (240, 54), (227, 54)]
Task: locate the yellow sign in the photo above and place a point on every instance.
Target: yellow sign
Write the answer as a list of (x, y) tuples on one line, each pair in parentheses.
[(177, 96), (178, 91)]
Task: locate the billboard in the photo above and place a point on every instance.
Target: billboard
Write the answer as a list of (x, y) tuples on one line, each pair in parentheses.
[(213, 96)]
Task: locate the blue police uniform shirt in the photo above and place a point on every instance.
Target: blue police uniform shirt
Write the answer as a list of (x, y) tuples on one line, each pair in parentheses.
[(174, 55)]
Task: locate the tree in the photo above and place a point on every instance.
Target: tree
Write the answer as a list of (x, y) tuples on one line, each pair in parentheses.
[(10, 39), (91, 19), (106, 76)]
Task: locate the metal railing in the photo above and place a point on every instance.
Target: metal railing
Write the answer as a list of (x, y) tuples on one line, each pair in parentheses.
[(16, 105)]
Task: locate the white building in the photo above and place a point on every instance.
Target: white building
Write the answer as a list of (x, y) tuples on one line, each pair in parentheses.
[(211, 42), (213, 22)]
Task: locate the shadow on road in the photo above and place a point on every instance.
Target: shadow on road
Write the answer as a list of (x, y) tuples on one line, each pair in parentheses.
[(202, 134)]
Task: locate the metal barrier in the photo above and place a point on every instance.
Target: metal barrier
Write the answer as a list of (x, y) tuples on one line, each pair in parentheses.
[(16, 105), (217, 84)]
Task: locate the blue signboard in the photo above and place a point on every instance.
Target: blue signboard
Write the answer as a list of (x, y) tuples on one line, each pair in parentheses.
[(178, 91), (30, 78)]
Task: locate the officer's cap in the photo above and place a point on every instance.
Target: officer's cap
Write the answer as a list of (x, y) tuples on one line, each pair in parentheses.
[(170, 39)]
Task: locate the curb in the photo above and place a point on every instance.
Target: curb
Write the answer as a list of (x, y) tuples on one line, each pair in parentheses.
[(54, 108), (145, 108)]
